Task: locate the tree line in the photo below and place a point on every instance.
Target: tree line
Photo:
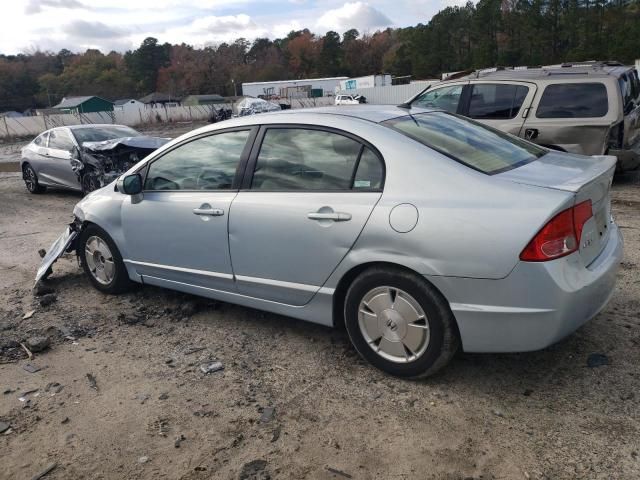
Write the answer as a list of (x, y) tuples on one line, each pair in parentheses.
[(478, 35)]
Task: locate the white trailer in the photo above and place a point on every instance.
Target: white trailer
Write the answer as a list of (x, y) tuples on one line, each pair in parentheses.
[(369, 81)]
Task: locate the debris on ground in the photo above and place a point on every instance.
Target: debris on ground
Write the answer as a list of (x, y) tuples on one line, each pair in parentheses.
[(65, 420), (179, 439), (42, 252), (45, 472), (340, 473), (38, 343), (41, 289), (276, 434), (143, 460), (207, 368), (267, 414), (497, 413), (254, 470), (92, 381), (28, 315), (27, 351), (48, 299), (597, 360), (191, 350), (163, 396), (31, 368), (53, 387), (4, 426), (142, 397)]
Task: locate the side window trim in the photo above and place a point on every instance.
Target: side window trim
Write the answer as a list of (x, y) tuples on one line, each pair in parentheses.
[(253, 131), (257, 144)]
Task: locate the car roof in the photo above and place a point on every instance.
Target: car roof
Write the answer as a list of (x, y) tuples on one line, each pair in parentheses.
[(371, 113), (554, 72), (94, 125)]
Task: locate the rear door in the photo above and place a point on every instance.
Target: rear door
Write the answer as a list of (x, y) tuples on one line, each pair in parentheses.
[(574, 115), (503, 105), (306, 197)]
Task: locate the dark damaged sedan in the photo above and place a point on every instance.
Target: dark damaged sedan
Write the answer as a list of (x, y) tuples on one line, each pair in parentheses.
[(83, 157)]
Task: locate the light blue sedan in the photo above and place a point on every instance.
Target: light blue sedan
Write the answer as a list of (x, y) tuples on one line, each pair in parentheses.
[(420, 231)]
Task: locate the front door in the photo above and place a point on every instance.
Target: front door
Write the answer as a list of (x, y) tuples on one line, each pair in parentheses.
[(177, 232), (59, 159), (310, 195)]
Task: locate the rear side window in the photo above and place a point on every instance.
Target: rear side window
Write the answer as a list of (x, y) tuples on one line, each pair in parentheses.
[(298, 159), (573, 100), (477, 146), (41, 140), (496, 101)]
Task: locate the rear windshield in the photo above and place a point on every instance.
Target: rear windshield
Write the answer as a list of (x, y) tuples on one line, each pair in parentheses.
[(477, 146), (100, 134), (573, 100)]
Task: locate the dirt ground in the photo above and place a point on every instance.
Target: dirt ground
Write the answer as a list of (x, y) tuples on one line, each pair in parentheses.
[(120, 394)]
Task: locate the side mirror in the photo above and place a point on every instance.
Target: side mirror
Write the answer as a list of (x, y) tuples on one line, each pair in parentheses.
[(131, 184)]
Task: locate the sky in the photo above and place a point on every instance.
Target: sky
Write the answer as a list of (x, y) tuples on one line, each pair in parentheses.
[(121, 25)]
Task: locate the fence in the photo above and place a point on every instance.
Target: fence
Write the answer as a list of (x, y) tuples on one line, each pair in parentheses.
[(391, 94), (31, 126)]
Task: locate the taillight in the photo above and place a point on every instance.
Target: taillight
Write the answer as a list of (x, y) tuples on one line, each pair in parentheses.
[(560, 236), (616, 136)]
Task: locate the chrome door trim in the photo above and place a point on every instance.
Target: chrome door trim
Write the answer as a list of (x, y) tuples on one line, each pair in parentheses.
[(181, 269)]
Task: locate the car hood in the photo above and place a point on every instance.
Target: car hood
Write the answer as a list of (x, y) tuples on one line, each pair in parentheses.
[(150, 143)]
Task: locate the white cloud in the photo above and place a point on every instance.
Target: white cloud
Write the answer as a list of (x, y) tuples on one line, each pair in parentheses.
[(359, 15)]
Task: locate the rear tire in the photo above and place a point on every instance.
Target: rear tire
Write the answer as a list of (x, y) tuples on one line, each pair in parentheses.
[(102, 262), (400, 323), (31, 180)]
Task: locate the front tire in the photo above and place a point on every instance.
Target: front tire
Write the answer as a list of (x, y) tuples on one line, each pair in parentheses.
[(31, 180), (400, 323), (89, 182), (102, 262)]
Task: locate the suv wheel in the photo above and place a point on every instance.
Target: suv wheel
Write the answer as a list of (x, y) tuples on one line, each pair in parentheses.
[(400, 323)]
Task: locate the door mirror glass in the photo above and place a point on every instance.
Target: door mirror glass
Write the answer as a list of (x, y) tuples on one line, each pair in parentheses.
[(131, 184)]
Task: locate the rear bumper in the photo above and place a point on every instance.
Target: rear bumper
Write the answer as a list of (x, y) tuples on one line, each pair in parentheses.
[(535, 306)]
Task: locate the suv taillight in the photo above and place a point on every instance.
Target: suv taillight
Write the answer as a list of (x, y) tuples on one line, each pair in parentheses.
[(616, 136), (560, 236)]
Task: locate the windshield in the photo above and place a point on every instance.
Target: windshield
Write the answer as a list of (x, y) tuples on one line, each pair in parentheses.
[(100, 134), (473, 144)]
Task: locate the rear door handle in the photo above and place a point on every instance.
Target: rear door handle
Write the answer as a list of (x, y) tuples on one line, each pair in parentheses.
[(212, 212), (335, 216)]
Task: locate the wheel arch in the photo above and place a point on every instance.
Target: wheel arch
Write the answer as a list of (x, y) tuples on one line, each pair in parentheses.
[(347, 279)]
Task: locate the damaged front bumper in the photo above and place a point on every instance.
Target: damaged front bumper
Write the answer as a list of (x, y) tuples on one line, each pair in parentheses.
[(65, 243)]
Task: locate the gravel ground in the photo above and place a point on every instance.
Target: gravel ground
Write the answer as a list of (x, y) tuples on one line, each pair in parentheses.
[(120, 394)]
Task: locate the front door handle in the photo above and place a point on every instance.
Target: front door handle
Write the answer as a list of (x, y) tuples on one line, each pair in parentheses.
[(335, 216), (211, 212)]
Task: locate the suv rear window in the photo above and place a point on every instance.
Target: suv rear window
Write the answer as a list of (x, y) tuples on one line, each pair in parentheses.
[(470, 143), (573, 100)]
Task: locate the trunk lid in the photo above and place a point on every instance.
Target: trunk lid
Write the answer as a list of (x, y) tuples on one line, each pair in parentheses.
[(588, 178)]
